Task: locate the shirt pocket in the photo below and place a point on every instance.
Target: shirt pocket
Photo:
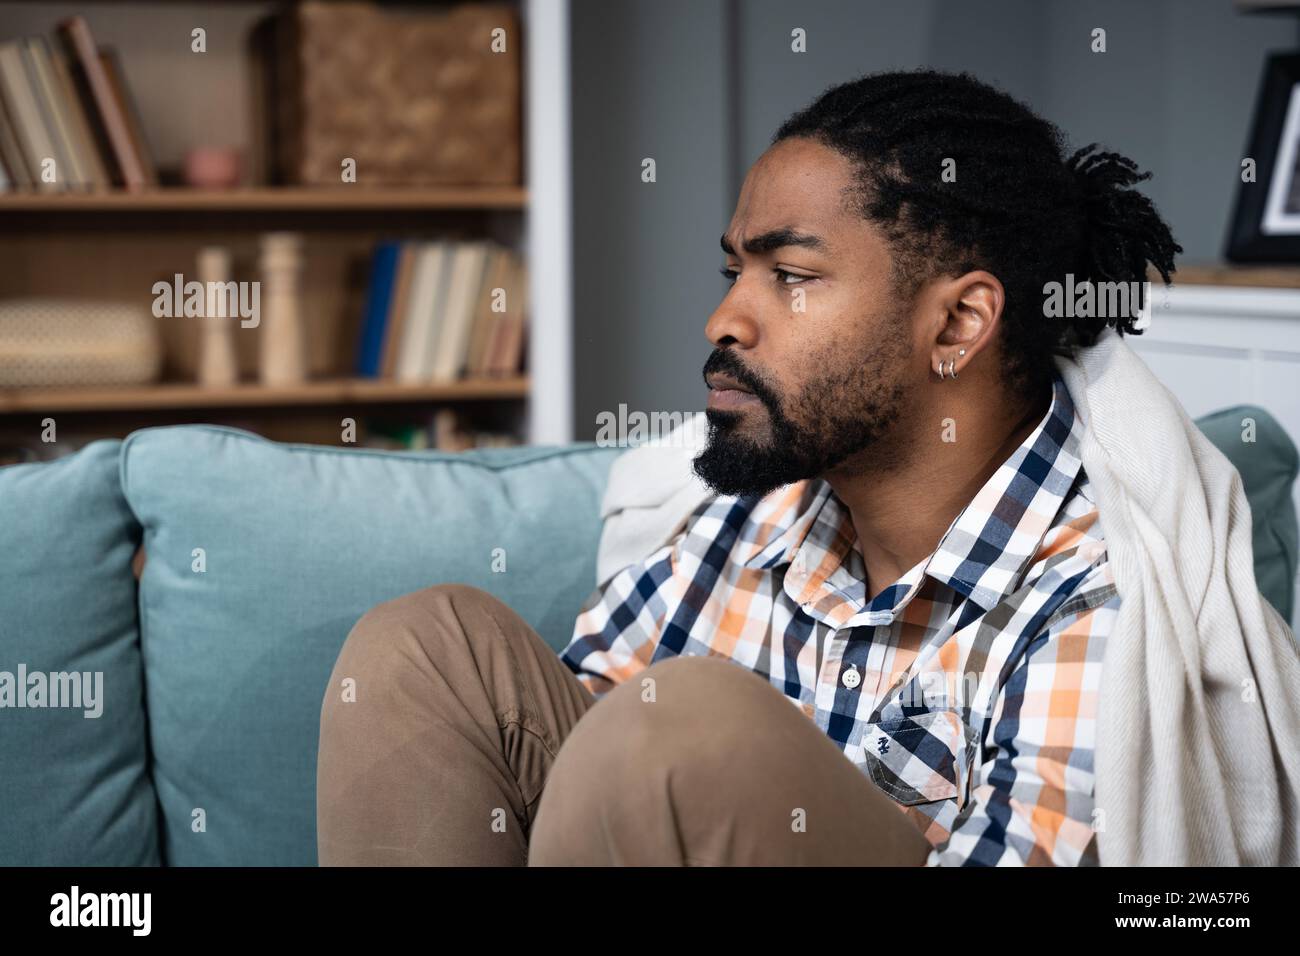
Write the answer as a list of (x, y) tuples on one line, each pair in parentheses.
[(920, 759)]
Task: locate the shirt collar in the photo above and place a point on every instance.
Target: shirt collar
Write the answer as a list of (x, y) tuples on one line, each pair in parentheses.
[(782, 548), (987, 546)]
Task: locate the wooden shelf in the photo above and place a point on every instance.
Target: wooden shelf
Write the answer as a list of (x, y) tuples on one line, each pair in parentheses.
[(271, 199), (1227, 274), (331, 392)]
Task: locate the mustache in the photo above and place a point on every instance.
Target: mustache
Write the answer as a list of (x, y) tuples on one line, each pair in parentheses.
[(724, 360)]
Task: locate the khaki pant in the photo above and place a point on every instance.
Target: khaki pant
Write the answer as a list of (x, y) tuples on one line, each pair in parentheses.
[(452, 734)]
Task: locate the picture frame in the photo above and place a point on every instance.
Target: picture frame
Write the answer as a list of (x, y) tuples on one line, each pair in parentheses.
[(1265, 224)]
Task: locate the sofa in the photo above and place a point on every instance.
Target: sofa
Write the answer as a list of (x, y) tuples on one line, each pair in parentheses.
[(258, 559)]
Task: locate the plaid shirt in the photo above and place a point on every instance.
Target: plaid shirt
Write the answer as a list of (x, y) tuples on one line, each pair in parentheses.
[(966, 690)]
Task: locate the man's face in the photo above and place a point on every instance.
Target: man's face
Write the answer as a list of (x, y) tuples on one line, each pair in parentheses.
[(810, 330)]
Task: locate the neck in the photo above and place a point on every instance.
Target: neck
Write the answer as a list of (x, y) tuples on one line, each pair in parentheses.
[(901, 513)]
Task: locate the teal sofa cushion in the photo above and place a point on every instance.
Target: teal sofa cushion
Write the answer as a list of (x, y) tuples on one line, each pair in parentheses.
[(1265, 455), (260, 558), (74, 789)]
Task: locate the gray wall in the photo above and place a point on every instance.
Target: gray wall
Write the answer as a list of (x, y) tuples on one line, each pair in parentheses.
[(701, 85), (649, 80)]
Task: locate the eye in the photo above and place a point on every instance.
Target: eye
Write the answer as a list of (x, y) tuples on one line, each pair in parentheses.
[(785, 277)]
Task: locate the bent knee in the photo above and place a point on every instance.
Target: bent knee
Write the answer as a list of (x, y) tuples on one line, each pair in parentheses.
[(419, 607), (703, 697), (418, 604), (681, 718), (694, 683), (425, 617)]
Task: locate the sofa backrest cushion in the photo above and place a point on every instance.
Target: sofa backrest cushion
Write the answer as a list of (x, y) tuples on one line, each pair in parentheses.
[(1265, 456), (261, 557), (74, 789)]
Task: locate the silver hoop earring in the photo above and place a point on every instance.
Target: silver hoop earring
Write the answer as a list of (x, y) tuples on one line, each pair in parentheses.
[(952, 368)]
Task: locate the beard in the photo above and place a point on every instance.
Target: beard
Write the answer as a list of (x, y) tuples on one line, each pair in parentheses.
[(830, 420)]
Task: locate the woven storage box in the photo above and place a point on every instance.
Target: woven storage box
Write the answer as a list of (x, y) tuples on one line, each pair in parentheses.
[(414, 94), (54, 342)]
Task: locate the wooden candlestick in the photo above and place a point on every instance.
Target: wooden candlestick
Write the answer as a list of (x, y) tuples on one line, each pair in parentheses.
[(217, 366), (282, 359)]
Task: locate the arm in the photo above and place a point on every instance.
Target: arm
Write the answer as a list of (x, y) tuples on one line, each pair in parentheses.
[(618, 627)]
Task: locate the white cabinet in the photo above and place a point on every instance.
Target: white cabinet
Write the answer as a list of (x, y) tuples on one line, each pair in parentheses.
[(1217, 346)]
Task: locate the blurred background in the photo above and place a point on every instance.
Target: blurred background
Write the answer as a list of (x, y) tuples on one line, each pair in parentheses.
[(703, 86), (352, 173), (496, 270)]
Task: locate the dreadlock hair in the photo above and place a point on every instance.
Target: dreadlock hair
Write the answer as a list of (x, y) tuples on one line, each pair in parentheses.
[(1019, 208)]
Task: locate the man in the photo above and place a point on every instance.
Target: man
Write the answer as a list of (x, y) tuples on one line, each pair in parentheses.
[(880, 641)]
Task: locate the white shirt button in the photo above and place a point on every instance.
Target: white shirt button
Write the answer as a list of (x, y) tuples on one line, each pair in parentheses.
[(851, 678)]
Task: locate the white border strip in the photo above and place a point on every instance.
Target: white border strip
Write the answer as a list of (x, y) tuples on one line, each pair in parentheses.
[(549, 229)]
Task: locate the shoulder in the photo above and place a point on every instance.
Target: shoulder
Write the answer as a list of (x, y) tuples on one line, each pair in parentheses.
[(1072, 562)]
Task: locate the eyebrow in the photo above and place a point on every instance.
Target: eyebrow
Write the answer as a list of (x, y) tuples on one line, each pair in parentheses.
[(775, 239)]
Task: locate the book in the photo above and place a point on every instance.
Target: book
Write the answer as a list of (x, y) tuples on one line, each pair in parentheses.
[(437, 314), (96, 91), (130, 113), (462, 293), (492, 349), (505, 351), (398, 309), (11, 152), (516, 355), (429, 315), (481, 310), (21, 105), (383, 267), (516, 326), (87, 149), (485, 317), (418, 324), (40, 74)]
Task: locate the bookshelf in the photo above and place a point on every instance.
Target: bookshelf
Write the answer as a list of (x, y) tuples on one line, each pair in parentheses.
[(330, 392), (110, 242), (178, 199)]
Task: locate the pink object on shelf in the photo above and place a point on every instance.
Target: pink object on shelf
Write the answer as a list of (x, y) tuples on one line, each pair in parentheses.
[(212, 167)]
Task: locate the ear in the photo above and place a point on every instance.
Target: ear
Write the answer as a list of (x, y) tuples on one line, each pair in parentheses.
[(970, 308)]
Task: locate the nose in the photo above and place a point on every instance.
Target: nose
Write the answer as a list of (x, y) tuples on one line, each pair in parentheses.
[(732, 323)]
